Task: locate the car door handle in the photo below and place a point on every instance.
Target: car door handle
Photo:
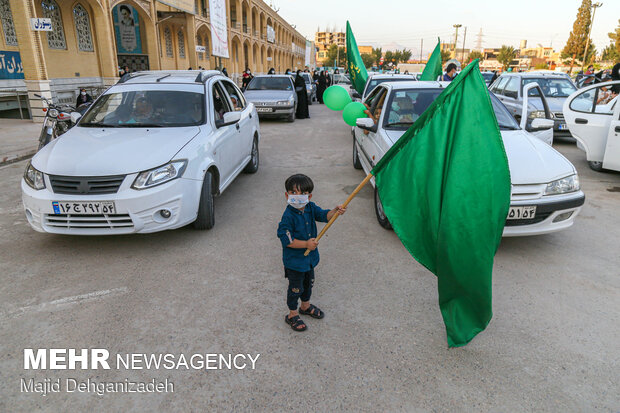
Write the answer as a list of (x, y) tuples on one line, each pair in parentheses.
[(581, 121), (617, 129)]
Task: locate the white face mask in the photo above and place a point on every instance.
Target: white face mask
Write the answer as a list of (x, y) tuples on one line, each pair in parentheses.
[(83, 93), (297, 201)]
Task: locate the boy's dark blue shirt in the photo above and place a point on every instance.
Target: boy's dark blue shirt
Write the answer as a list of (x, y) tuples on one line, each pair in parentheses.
[(300, 225)]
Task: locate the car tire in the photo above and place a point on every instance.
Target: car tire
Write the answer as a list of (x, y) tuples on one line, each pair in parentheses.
[(357, 164), (206, 214), (291, 117), (310, 100), (595, 166), (383, 220), (252, 166)]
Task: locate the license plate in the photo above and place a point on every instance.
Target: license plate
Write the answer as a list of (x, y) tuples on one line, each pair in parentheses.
[(264, 110), (523, 212), (84, 208), (562, 126)]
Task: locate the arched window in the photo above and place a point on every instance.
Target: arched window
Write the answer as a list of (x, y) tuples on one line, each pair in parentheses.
[(181, 39), (82, 28), (199, 43), (168, 41), (55, 38), (10, 38)]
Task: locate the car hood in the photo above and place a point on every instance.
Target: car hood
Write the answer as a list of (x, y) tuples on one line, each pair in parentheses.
[(555, 104), (111, 151), (531, 161), (267, 95)]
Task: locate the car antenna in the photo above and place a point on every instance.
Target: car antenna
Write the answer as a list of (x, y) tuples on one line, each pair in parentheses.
[(163, 77)]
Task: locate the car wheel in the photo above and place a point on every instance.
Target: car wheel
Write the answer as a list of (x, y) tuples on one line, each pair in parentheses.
[(596, 166), (252, 166), (356, 158), (206, 213), (291, 117), (383, 221)]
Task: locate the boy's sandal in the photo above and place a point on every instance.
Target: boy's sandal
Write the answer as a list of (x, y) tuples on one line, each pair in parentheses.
[(296, 323), (313, 311)]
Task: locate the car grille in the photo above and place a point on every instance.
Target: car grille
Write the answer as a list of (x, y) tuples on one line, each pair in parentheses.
[(89, 221), (539, 217), (558, 115), (86, 185)]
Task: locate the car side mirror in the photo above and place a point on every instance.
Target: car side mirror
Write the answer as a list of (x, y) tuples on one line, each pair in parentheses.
[(541, 124), (75, 116), (230, 118), (356, 95), (366, 124)]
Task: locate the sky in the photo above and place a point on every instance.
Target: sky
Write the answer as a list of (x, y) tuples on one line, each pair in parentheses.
[(403, 23)]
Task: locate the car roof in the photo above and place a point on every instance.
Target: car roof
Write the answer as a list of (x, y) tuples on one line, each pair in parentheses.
[(420, 84), (390, 75), (537, 74), (170, 76), (288, 76)]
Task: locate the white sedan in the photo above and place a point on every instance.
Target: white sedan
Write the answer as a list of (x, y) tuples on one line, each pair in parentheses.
[(149, 155), (545, 197)]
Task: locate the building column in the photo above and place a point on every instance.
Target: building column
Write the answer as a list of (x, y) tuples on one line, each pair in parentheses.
[(190, 23), (106, 49), (33, 59)]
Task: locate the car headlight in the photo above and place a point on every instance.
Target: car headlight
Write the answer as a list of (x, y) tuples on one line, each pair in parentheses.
[(562, 186), (284, 102), (160, 175), (537, 114), (34, 178)]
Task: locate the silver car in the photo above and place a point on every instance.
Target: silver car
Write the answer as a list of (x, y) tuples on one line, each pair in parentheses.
[(310, 87), (273, 96), (556, 88)]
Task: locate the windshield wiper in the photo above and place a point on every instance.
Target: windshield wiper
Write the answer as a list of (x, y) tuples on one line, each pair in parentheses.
[(97, 125), (398, 123), (143, 125)]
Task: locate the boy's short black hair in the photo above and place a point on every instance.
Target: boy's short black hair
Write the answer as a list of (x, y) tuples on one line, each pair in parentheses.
[(300, 182), (450, 67)]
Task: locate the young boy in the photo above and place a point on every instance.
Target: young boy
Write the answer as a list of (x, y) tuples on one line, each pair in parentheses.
[(297, 231)]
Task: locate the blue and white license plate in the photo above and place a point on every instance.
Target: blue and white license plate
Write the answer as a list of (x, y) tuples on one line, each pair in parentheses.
[(83, 208), (522, 212), (261, 110), (562, 126)]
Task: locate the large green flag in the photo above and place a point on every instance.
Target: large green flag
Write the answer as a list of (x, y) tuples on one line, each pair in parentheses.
[(445, 188), (433, 67), (357, 70)]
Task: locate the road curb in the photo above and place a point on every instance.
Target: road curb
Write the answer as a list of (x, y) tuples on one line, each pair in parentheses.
[(9, 159)]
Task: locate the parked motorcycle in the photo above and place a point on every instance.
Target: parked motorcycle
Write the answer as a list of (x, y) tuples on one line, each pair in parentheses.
[(57, 121)]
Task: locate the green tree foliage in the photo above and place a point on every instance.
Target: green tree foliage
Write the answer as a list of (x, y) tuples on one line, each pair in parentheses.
[(615, 38), (368, 59), (376, 54), (506, 55), (405, 55), (389, 57), (541, 66), (332, 56), (610, 53), (576, 43), (475, 54), (445, 56)]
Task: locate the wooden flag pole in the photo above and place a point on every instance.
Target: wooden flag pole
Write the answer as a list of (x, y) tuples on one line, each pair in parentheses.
[(336, 215)]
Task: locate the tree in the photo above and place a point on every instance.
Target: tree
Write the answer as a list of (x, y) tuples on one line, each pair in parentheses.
[(445, 56), (368, 59), (388, 57), (332, 56), (541, 66), (506, 55), (405, 55), (576, 43), (475, 54), (615, 38), (610, 53)]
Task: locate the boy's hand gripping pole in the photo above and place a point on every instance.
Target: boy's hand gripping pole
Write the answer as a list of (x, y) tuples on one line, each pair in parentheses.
[(336, 215)]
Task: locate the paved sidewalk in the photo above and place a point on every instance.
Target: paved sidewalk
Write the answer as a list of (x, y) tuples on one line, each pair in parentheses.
[(18, 139)]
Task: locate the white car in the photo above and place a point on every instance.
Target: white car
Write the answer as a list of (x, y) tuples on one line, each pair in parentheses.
[(149, 155), (376, 79), (545, 197), (593, 118)]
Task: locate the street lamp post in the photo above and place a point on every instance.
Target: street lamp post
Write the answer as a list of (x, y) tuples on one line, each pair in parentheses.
[(456, 36), (585, 52)]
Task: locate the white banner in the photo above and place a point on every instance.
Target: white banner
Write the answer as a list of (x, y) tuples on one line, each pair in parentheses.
[(219, 29), (201, 49), (271, 34), (308, 53)]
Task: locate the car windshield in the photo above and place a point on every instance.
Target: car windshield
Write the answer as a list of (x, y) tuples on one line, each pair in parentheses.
[(487, 76), (406, 106), (374, 82), (552, 88), (150, 108), (270, 83), (307, 77)]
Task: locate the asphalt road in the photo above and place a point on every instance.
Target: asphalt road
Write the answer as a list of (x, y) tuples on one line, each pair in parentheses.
[(551, 346)]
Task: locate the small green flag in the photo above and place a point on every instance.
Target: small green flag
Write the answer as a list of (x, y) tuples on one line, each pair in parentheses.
[(445, 188), (433, 67), (357, 70)]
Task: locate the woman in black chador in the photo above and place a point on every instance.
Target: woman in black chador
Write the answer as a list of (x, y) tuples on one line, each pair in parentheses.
[(321, 87), (302, 97)]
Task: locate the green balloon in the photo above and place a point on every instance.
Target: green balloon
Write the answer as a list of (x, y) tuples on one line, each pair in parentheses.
[(352, 112), (336, 97)]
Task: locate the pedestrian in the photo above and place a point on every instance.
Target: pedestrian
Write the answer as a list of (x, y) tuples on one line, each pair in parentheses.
[(83, 98), (224, 72), (288, 72), (297, 232), (127, 69), (247, 76), (121, 71), (615, 75), (322, 85), (450, 73), (494, 78), (271, 71), (328, 79), (302, 97)]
